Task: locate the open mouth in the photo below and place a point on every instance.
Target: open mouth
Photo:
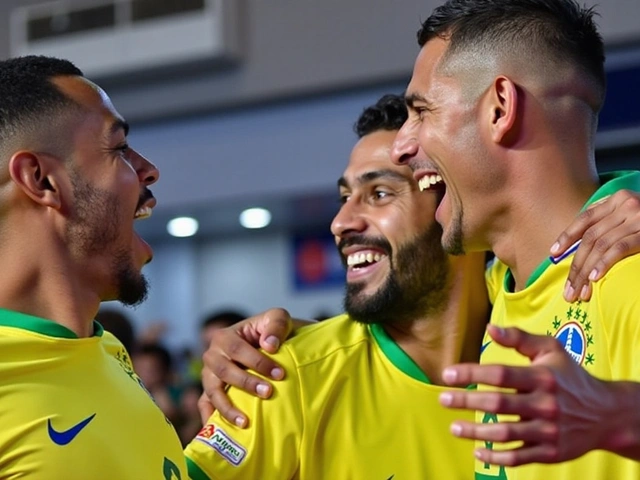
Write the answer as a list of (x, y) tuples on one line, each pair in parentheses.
[(430, 181), (143, 212), (364, 258)]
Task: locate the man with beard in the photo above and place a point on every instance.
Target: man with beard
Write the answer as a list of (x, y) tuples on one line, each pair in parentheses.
[(360, 399), (71, 406)]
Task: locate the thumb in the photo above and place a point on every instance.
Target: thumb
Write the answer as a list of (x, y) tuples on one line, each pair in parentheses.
[(529, 345)]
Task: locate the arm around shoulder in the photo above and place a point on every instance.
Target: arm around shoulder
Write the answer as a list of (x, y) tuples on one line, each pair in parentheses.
[(267, 449)]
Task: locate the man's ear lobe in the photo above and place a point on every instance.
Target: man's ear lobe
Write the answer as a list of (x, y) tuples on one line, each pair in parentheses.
[(504, 110), (34, 174)]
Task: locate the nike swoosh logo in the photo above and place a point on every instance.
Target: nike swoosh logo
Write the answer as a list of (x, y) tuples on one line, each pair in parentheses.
[(65, 437), (483, 347), (391, 477)]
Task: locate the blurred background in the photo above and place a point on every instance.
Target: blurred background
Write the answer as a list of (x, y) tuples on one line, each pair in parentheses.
[(249, 104)]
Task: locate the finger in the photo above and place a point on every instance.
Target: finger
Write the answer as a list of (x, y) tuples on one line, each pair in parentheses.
[(275, 329), (231, 347), (533, 431), (219, 370), (524, 379), (525, 343), (527, 406), (222, 403), (205, 408), (537, 453), (620, 243), (608, 236), (580, 224)]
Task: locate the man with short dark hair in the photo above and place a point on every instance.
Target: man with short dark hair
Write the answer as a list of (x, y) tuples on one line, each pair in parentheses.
[(364, 386), (504, 102), (71, 406)]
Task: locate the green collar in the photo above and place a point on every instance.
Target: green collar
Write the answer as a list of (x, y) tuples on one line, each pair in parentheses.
[(396, 355), (610, 182), (10, 318), (399, 357)]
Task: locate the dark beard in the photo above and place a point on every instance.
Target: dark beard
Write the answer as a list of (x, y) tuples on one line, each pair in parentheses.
[(133, 287), (93, 231), (417, 283), (454, 243)]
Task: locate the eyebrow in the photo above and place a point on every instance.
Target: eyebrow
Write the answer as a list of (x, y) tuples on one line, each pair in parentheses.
[(412, 98), (374, 175), (119, 124)]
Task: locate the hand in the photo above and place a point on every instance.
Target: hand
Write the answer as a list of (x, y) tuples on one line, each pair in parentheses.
[(238, 343), (610, 231), (564, 412)]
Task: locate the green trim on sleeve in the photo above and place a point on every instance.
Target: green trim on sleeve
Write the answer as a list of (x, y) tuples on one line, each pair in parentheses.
[(396, 355), (195, 472), (10, 318)]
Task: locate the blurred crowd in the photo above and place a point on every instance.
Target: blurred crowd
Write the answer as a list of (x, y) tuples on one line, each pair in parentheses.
[(172, 378)]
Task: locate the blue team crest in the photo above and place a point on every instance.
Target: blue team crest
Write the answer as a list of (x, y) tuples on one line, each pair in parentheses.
[(573, 340), (574, 332)]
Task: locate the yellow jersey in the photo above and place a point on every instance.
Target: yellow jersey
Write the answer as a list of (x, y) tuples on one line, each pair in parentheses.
[(354, 405), (602, 335), (73, 409)]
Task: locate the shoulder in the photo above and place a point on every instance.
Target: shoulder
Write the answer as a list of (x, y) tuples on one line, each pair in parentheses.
[(621, 282), (326, 339)]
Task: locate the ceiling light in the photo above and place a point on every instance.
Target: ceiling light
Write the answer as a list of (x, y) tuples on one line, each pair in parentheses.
[(255, 218), (182, 227)]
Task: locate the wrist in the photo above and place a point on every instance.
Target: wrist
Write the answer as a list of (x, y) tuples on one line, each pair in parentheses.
[(621, 433)]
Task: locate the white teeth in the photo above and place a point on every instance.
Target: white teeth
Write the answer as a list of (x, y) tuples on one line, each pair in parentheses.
[(143, 212), (428, 180), (364, 257)]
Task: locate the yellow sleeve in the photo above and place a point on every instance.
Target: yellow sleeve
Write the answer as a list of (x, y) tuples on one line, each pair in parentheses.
[(268, 449)]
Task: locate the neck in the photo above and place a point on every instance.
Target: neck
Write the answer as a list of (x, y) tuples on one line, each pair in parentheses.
[(544, 203), (42, 281), (453, 335)]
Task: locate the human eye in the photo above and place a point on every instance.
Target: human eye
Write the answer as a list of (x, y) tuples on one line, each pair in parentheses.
[(421, 112), (381, 193), (123, 150), (343, 197)]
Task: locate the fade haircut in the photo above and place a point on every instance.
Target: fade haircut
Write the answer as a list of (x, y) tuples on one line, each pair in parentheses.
[(28, 98), (388, 113), (558, 30)]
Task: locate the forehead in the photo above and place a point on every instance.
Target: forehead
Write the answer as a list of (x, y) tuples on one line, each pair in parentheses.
[(372, 153), (426, 66), (93, 100)]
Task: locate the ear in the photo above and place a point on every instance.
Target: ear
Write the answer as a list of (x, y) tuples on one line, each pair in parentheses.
[(504, 109), (34, 173)]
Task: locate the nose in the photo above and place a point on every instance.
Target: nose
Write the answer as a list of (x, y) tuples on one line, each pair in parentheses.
[(349, 219), (405, 146), (147, 172)]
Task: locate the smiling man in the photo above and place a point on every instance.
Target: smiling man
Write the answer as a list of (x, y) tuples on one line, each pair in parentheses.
[(504, 102), (360, 399), (71, 406)]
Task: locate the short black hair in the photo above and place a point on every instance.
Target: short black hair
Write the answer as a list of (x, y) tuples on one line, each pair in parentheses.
[(559, 29), (119, 325), (158, 351), (27, 95), (223, 317), (388, 113)]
